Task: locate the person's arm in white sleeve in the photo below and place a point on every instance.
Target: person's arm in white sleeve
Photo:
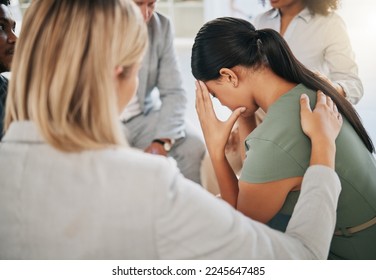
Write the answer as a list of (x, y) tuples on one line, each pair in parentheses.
[(340, 59), (193, 224)]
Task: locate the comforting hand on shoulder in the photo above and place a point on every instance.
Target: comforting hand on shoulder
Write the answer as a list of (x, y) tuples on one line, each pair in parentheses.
[(322, 126), (324, 118)]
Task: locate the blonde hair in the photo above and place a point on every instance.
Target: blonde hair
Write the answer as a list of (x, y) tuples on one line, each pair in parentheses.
[(64, 65)]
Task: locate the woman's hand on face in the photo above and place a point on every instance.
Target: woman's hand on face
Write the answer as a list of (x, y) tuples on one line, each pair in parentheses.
[(216, 132), (324, 122)]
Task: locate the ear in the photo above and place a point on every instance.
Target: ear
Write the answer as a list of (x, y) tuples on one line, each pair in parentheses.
[(229, 76), (119, 72)]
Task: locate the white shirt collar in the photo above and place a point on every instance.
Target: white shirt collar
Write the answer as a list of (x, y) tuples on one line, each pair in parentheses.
[(304, 14)]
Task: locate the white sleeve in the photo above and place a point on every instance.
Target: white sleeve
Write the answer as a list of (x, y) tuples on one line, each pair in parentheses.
[(193, 224), (314, 217), (340, 59)]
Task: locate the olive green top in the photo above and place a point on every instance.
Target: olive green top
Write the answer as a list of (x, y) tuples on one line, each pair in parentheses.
[(278, 149)]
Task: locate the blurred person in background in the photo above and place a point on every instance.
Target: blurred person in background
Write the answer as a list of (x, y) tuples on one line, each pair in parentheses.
[(157, 123), (318, 38), (8, 40)]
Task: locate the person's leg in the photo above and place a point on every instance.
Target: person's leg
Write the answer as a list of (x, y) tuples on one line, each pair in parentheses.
[(140, 130), (189, 152)]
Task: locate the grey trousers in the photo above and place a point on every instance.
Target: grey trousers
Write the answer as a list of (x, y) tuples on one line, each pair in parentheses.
[(188, 151)]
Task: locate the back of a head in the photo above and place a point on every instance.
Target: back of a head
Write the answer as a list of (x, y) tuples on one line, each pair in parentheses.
[(224, 42), (63, 69)]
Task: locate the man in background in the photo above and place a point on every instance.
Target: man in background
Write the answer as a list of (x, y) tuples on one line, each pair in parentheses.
[(156, 123), (7, 44)]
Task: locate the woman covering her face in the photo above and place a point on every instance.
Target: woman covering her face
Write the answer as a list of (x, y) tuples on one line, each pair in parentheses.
[(248, 69)]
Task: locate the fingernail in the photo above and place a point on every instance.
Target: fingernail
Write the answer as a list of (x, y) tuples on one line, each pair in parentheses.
[(303, 96)]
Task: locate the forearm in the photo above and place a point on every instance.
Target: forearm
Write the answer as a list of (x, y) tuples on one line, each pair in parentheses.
[(227, 180), (340, 59), (236, 236), (317, 204)]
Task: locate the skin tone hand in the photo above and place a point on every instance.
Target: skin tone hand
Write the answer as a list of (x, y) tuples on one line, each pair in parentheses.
[(155, 149), (326, 119), (216, 132), (233, 141)]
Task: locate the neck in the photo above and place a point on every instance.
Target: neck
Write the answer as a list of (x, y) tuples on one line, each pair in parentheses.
[(291, 10), (269, 87)]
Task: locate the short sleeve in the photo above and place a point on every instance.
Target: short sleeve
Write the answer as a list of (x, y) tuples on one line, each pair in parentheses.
[(267, 162)]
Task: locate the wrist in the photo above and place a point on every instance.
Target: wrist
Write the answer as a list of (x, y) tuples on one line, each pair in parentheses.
[(323, 153), (166, 143), (217, 155), (323, 142)]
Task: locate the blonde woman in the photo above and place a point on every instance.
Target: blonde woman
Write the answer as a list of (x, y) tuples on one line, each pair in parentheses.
[(70, 188)]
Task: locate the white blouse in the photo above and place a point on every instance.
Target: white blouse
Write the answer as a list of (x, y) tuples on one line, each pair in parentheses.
[(322, 44)]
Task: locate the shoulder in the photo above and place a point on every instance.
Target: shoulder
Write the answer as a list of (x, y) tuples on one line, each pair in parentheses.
[(334, 17), (281, 125), (288, 105), (330, 20), (161, 18), (159, 22), (268, 14), (262, 20), (3, 86), (335, 27), (3, 81), (132, 164)]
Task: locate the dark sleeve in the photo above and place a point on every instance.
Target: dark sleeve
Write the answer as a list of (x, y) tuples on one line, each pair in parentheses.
[(3, 93)]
